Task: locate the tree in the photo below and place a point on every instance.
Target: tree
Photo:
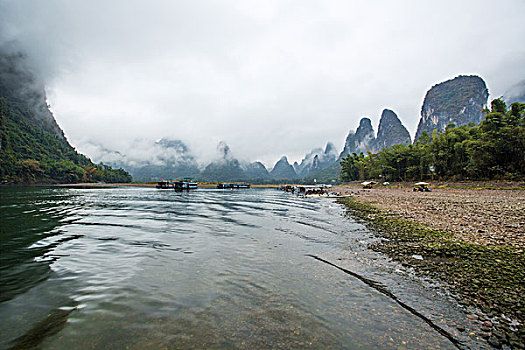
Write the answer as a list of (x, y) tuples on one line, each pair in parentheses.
[(350, 167)]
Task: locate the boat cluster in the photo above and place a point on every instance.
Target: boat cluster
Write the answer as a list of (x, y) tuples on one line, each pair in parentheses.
[(187, 184), (311, 190), (232, 185), (177, 185)]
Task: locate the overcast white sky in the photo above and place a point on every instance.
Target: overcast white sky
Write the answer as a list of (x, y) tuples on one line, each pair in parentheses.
[(270, 78)]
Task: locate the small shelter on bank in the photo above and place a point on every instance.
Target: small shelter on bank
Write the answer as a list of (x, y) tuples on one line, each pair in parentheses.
[(368, 184), (421, 187)]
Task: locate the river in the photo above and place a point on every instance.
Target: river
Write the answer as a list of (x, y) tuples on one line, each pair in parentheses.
[(139, 268)]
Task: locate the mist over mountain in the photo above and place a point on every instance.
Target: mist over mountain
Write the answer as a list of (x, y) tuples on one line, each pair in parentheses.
[(171, 159), (33, 148), (225, 168), (515, 94), (144, 152), (20, 84), (316, 160), (150, 160)]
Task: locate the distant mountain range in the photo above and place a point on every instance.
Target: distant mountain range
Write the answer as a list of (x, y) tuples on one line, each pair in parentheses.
[(173, 159), (33, 147), (459, 101)]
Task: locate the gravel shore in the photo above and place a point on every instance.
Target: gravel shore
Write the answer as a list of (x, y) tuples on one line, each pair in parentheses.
[(473, 215), (470, 239)]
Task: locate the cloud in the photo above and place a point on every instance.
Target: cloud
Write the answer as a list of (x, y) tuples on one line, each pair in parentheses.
[(142, 152), (268, 77), (515, 93)]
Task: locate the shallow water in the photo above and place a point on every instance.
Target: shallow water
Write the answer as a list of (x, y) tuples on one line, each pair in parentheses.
[(144, 268)]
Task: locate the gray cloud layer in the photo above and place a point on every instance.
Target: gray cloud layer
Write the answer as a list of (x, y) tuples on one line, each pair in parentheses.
[(268, 77)]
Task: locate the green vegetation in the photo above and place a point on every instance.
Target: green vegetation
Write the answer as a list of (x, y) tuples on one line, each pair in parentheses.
[(31, 154), (492, 150), (487, 277)]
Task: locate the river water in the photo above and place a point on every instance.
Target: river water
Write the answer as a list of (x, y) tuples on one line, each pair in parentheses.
[(141, 268)]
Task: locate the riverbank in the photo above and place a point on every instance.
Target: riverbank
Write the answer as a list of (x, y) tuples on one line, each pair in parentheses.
[(479, 216), (471, 239)]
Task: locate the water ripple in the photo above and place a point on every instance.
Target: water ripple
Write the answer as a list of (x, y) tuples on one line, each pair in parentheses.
[(143, 268)]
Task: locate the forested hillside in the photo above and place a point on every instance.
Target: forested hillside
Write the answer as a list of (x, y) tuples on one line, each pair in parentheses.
[(33, 148)]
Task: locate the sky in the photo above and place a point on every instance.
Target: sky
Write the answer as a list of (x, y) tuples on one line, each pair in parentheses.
[(269, 78)]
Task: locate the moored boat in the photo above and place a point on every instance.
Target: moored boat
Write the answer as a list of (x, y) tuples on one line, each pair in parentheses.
[(307, 190), (185, 185), (225, 185), (164, 185)]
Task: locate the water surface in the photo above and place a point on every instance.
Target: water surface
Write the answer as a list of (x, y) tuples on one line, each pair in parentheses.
[(144, 268)]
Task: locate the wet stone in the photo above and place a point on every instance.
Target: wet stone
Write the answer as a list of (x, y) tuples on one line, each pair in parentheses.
[(516, 345), (485, 329), (498, 335), (494, 342), (484, 335)]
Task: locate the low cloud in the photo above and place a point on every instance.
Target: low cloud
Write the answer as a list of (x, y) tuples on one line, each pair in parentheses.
[(269, 77)]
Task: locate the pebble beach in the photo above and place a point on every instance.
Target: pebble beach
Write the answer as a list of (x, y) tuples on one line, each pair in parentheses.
[(469, 237), (480, 216)]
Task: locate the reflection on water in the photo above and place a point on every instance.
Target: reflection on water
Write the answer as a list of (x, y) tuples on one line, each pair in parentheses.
[(30, 221), (142, 268)]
